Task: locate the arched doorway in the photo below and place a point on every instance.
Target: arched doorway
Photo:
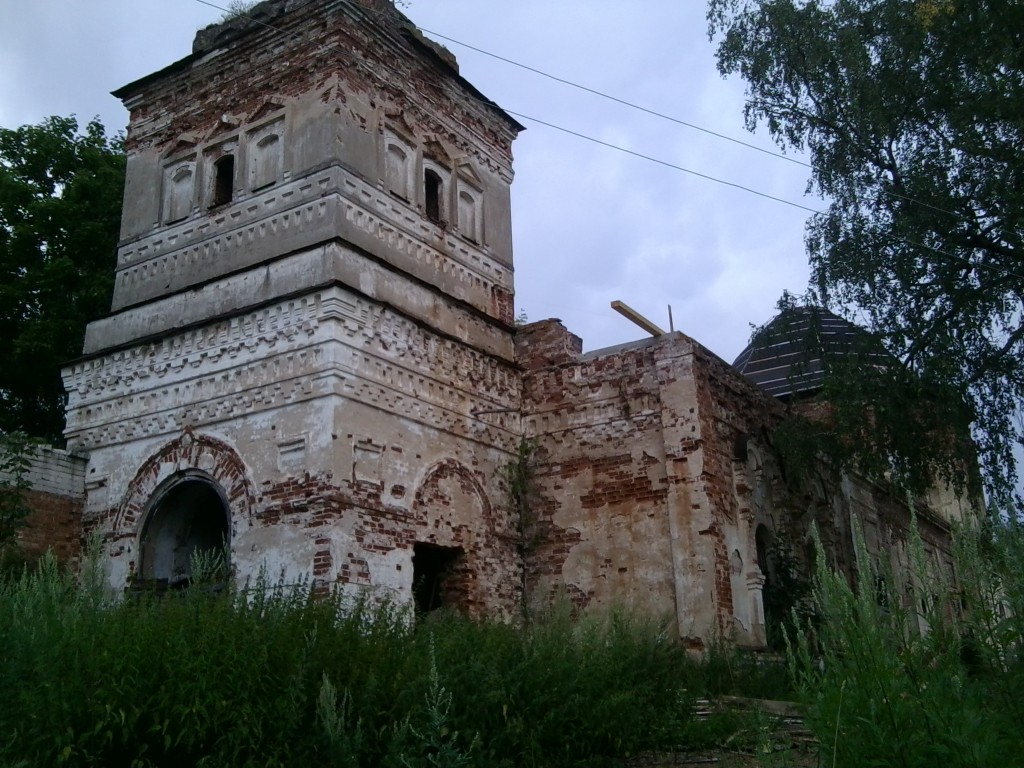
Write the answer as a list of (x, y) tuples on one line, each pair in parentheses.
[(764, 542), (457, 556), (188, 515)]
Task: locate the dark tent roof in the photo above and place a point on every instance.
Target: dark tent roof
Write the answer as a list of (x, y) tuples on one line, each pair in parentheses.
[(785, 358)]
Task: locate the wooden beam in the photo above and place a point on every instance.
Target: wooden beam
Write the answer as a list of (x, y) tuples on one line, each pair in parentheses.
[(632, 315)]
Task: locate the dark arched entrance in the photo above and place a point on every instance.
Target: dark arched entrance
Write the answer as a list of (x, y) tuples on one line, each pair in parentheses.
[(188, 514)]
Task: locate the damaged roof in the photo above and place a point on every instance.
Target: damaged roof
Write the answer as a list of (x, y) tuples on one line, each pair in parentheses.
[(789, 356)]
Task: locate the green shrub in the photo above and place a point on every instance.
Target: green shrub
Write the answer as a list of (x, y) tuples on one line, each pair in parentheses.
[(899, 678), (269, 676), (728, 670)]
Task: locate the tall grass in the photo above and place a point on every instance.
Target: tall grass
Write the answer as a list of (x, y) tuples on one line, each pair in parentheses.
[(927, 674), (271, 677)]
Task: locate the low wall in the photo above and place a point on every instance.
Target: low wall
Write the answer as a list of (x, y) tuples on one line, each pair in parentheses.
[(56, 496)]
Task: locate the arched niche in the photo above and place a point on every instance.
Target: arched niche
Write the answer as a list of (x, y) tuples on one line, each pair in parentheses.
[(178, 191), (266, 158), (399, 158), (469, 200), (188, 515), (193, 456), (455, 521)]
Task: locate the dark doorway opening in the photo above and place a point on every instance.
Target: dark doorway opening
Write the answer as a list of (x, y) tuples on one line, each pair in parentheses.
[(189, 517), (763, 542), (773, 599), (433, 569)]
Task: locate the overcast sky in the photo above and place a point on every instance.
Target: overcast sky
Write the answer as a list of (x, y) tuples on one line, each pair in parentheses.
[(591, 224)]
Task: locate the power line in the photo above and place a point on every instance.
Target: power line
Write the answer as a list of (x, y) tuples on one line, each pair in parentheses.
[(663, 162), (663, 116), (617, 100)]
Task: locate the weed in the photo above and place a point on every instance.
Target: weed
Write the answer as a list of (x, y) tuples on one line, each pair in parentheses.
[(893, 685), (15, 462), (266, 675)]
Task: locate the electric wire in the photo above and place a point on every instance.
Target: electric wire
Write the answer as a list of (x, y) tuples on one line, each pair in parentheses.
[(665, 163), (617, 100), (663, 116)]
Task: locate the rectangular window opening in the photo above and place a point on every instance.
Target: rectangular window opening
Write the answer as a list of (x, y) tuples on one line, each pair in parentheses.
[(432, 195), (224, 181)]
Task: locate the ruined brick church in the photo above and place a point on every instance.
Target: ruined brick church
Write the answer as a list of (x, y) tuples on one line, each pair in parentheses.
[(311, 356)]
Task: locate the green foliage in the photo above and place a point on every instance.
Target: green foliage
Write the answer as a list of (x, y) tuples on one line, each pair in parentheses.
[(728, 670), (520, 486), (561, 691), (434, 744), (267, 676), (788, 598), (15, 460), (910, 675), (517, 478), (60, 213), (909, 113), (872, 416), (238, 8), (344, 738)]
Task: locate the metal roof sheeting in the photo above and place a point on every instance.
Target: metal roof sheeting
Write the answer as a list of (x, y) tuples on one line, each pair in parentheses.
[(787, 356)]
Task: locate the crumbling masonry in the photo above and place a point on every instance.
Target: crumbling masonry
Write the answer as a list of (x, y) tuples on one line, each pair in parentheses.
[(311, 356)]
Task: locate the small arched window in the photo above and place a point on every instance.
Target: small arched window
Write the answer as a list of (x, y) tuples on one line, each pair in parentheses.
[(433, 188), (223, 181)]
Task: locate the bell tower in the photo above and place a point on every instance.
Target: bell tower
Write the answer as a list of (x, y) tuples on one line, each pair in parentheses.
[(311, 329)]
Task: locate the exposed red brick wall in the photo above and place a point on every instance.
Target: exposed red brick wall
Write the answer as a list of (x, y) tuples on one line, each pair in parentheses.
[(55, 524), (648, 444), (261, 62), (190, 450), (597, 531), (503, 302), (450, 509), (546, 342)]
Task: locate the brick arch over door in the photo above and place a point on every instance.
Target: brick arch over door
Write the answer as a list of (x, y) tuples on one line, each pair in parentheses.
[(189, 451), (449, 501), (451, 509)]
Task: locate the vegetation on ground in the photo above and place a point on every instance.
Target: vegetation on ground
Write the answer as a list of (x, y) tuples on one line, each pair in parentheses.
[(923, 672), (892, 672), (268, 676)]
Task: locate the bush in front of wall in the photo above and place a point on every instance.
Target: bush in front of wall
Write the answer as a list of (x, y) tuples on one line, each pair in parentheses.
[(269, 676)]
